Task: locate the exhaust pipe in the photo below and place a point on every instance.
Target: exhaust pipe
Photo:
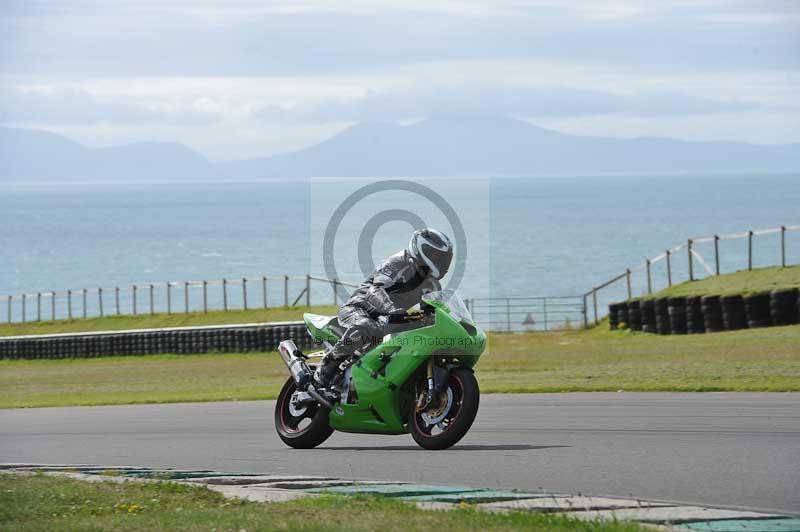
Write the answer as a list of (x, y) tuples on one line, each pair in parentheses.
[(295, 363)]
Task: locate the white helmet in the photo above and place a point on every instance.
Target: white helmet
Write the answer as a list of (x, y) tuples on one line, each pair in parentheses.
[(433, 250)]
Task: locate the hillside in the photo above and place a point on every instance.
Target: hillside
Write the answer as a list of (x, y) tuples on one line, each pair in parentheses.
[(741, 282), (443, 146)]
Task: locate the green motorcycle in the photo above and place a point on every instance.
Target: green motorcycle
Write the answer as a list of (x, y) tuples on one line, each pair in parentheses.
[(419, 379)]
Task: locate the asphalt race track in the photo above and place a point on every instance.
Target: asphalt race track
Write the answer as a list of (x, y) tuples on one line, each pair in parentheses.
[(718, 449)]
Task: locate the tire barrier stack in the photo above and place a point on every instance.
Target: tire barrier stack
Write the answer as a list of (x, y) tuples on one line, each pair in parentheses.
[(183, 340), (634, 315), (676, 308), (662, 316), (648, 310), (733, 316), (712, 313), (757, 310), (707, 314), (784, 306), (695, 324)]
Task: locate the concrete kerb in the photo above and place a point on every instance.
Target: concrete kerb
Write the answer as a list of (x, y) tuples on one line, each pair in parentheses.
[(279, 488)]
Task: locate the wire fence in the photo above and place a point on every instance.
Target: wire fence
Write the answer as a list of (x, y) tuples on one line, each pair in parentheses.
[(516, 314), (175, 297), (694, 259)]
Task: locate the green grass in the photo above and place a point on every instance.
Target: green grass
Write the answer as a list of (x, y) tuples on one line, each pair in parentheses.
[(148, 321), (742, 282), (765, 359), (39, 502)]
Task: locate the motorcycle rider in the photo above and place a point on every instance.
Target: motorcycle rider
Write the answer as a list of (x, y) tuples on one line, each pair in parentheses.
[(398, 283)]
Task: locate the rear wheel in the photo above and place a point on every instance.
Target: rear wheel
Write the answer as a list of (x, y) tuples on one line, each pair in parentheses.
[(300, 426), (447, 419)]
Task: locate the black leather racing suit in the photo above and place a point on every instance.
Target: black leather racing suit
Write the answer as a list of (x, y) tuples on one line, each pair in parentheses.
[(396, 285)]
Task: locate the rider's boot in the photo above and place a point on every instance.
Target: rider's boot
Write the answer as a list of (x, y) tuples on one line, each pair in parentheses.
[(326, 371)]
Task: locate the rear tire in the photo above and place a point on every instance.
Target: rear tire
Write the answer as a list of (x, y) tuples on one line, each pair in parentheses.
[(464, 408), (294, 431)]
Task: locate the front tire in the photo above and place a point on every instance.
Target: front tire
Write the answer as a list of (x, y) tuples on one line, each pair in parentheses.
[(458, 419), (302, 431)]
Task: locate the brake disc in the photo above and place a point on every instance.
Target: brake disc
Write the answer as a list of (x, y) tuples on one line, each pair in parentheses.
[(296, 406), (432, 416)]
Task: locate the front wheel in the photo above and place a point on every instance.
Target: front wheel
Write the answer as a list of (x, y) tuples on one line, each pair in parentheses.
[(446, 420), (302, 426)]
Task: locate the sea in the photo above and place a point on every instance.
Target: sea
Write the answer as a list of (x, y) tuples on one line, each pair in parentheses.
[(515, 237)]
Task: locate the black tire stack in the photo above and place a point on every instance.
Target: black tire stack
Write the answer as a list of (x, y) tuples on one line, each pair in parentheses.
[(662, 316), (757, 310), (696, 314), (613, 316), (712, 313), (785, 306), (676, 307), (733, 314), (647, 308), (695, 323), (228, 340), (635, 315), (622, 314)]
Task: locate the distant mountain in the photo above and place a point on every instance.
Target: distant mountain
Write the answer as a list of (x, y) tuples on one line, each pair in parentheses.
[(482, 146), (504, 146), (28, 155)]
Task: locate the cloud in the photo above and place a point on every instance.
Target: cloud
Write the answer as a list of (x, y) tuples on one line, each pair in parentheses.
[(79, 107), (96, 39), (542, 101)]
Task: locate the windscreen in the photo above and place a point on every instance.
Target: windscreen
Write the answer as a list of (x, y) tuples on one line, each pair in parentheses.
[(454, 303)]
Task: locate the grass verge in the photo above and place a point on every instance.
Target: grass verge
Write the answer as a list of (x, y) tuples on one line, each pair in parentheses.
[(742, 282), (153, 321), (765, 359), (39, 502)]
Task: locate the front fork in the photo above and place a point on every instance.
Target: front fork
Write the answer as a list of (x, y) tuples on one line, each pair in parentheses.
[(424, 402)]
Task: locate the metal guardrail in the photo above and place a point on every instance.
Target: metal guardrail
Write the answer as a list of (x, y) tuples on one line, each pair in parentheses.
[(528, 313)]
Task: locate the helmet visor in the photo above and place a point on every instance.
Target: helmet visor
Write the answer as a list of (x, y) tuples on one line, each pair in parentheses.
[(440, 259)]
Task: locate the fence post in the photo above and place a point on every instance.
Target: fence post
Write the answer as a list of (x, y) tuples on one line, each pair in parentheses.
[(594, 303), (186, 297), (152, 308), (169, 297), (691, 263), (53, 306), (23, 308), (100, 300), (649, 278), (308, 290), (205, 297), (628, 281), (225, 295), (508, 314), (669, 268), (716, 254), (84, 302), (749, 250), (335, 295), (244, 292), (264, 289), (585, 312), (133, 292), (783, 246), (545, 314), (285, 290), (9, 309), (69, 304), (116, 299), (38, 306)]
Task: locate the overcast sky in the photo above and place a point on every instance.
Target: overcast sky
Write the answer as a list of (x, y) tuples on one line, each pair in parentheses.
[(241, 79)]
